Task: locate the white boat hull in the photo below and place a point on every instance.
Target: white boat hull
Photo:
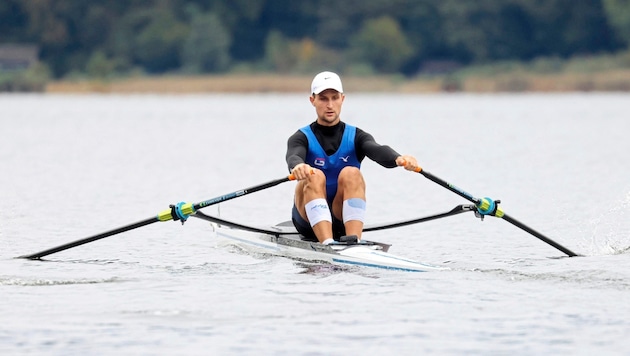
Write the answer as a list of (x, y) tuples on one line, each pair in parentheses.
[(288, 244)]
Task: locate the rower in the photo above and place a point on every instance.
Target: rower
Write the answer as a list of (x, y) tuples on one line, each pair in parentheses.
[(325, 157)]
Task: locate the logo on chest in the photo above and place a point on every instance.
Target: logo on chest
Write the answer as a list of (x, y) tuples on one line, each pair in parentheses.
[(320, 162)]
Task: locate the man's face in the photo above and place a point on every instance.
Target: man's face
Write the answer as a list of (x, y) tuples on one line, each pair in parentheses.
[(328, 106)]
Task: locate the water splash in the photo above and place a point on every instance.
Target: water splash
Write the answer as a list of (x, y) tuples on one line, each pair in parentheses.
[(610, 232)]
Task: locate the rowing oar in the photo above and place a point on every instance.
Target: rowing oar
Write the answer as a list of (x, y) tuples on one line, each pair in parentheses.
[(487, 206), (180, 211), (456, 210)]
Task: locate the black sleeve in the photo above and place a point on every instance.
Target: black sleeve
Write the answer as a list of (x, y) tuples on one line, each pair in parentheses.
[(297, 147), (365, 145)]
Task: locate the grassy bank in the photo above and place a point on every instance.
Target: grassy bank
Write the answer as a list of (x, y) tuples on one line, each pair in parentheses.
[(612, 81), (238, 84), (617, 80)]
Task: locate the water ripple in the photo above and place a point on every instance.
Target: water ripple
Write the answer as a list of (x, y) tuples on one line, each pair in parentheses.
[(17, 281)]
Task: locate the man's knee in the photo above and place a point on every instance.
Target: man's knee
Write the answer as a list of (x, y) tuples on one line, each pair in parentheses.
[(315, 183), (350, 176)]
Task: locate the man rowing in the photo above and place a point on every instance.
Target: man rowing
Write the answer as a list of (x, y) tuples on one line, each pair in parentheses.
[(325, 157)]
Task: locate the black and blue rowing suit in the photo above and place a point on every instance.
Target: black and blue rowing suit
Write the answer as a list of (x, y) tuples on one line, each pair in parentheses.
[(331, 164), (331, 148)]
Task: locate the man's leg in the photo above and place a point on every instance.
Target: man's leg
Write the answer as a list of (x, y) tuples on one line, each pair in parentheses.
[(310, 200), (349, 202)]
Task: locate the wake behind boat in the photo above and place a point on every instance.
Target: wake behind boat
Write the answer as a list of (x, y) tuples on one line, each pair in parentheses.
[(283, 240)]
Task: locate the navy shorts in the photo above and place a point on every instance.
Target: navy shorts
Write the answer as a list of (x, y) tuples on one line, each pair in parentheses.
[(305, 229)]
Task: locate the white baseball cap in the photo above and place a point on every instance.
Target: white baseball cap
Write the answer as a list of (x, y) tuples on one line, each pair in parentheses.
[(326, 80)]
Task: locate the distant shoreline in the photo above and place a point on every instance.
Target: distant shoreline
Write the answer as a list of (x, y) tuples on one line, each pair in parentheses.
[(617, 80)]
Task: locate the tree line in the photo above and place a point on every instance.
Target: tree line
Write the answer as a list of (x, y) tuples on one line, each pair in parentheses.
[(101, 38)]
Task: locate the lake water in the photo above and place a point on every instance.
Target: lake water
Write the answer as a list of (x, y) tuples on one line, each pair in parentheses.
[(75, 166)]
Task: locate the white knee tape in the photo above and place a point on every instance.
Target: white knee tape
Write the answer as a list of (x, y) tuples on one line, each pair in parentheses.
[(317, 210), (353, 209)]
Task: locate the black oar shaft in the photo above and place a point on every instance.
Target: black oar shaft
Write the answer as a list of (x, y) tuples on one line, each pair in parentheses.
[(235, 225), (239, 193), (542, 237), (499, 214), (69, 245), (450, 187), (456, 210), (165, 215)]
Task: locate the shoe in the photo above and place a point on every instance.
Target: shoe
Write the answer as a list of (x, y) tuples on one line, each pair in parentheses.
[(349, 239)]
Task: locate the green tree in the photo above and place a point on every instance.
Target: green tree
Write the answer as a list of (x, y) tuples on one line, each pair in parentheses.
[(99, 66), (278, 52), (381, 43), (13, 21), (337, 21), (158, 44), (587, 31), (206, 49), (567, 27), (149, 38), (618, 12), (386, 35), (486, 30)]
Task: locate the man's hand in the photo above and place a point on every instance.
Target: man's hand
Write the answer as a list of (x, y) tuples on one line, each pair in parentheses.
[(409, 162), (302, 171)]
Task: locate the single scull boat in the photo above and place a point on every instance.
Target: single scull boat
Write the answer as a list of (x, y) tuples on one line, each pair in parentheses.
[(283, 240), (365, 253)]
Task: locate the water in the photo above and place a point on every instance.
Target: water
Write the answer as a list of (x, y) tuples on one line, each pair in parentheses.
[(75, 166)]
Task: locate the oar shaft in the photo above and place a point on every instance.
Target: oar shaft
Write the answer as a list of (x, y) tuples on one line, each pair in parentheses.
[(456, 210), (235, 225), (542, 237), (242, 192), (462, 193), (497, 212), (165, 215), (50, 251)]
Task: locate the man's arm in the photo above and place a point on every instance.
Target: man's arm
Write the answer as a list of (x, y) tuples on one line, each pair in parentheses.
[(365, 145), (297, 147)]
